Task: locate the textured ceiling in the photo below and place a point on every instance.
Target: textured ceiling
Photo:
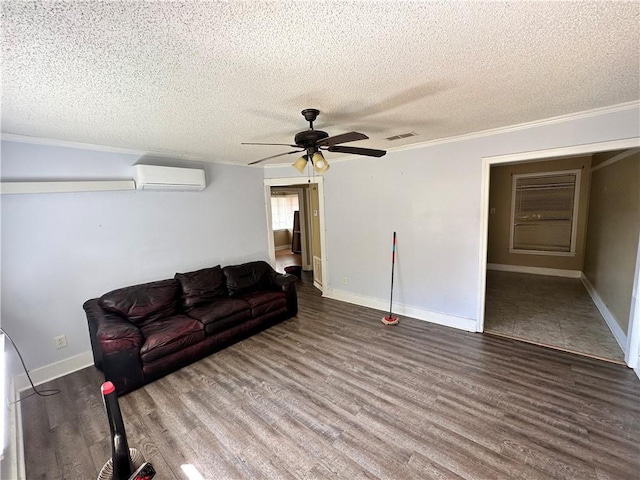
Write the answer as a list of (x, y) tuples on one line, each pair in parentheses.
[(199, 78)]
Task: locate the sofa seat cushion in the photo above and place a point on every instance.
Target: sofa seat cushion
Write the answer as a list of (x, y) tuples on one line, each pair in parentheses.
[(260, 297), (221, 314), (264, 301), (142, 304), (202, 286), (168, 335)]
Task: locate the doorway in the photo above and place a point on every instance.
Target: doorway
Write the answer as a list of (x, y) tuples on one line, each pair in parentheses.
[(304, 243), (289, 220), (524, 281)]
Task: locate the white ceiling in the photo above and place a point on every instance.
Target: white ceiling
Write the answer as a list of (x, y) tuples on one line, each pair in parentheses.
[(198, 78)]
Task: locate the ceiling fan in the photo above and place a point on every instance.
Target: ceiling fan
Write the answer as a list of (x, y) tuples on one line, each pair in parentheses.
[(313, 141)]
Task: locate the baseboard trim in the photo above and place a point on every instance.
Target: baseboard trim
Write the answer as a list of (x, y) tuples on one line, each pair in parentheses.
[(637, 370), (550, 272), (282, 247), (453, 321), (618, 334), (55, 370)]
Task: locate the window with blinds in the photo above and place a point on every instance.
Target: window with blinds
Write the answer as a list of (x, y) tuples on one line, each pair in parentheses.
[(282, 208), (544, 212)]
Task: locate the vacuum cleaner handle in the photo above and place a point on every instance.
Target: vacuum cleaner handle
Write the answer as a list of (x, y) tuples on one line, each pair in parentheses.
[(122, 468)]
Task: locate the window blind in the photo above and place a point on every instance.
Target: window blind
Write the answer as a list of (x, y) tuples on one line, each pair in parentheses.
[(543, 213), (282, 208)]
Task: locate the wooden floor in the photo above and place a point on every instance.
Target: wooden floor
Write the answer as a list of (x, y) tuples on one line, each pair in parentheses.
[(334, 393), (285, 258)]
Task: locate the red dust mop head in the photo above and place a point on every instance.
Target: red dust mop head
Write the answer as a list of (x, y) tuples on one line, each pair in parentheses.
[(390, 319)]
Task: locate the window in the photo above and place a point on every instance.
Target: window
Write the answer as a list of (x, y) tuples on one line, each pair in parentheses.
[(544, 213), (282, 208)]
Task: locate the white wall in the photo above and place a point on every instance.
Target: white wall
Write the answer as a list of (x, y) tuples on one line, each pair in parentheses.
[(430, 195), (59, 250)]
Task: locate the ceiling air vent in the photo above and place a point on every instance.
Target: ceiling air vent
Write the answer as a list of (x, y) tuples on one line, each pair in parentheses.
[(402, 135)]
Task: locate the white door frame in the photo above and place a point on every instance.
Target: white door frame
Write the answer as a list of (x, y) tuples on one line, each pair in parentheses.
[(633, 334), (287, 182)]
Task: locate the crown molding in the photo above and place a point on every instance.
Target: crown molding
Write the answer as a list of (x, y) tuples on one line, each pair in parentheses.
[(52, 142), (501, 130), (617, 158), (11, 137), (524, 126)]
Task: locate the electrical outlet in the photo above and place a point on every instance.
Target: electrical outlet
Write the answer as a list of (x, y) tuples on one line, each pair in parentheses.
[(61, 341), (345, 280)]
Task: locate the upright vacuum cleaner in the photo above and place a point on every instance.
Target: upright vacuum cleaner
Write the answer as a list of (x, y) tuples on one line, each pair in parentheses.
[(125, 463)]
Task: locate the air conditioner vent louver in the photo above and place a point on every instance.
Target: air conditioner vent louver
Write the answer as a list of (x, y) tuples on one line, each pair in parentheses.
[(153, 177), (402, 135)]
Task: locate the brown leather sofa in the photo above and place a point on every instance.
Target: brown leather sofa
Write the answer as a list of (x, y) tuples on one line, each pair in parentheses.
[(143, 332)]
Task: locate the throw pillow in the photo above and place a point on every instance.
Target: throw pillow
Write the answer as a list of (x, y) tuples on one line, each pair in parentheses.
[(247, 277), (202, 286), (142, 304)]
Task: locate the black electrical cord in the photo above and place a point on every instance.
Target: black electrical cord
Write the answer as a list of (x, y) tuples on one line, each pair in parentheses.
[(42, 393)]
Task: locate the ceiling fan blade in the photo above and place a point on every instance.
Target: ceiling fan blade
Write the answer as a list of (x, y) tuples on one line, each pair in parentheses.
[(342, 138), (281, 144), (274, 156), (369, 152)]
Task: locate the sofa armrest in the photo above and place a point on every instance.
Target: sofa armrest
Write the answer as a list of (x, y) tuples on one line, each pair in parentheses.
[(287, 283), (115, 333), (116, 344), (111, 331), (261, 276)]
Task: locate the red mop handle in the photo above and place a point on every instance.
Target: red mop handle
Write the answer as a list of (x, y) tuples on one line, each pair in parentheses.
[(393, 249)]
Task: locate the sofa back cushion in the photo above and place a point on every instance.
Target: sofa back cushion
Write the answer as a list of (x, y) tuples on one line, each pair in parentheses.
[(142, 304), (202, 286), (247, 277)]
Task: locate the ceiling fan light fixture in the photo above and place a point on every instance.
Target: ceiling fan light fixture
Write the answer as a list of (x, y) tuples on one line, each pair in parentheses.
[(320, 165), (300, 164), (311, 141)]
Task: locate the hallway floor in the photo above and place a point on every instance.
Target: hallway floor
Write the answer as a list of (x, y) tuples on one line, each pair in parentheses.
[(284, 258), (550, 311)]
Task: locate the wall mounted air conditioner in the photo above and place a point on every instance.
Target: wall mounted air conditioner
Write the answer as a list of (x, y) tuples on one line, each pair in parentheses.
[(153, 177)]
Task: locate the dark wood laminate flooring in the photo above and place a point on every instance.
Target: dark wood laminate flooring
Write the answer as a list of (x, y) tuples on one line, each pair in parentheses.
[(334, 393)]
